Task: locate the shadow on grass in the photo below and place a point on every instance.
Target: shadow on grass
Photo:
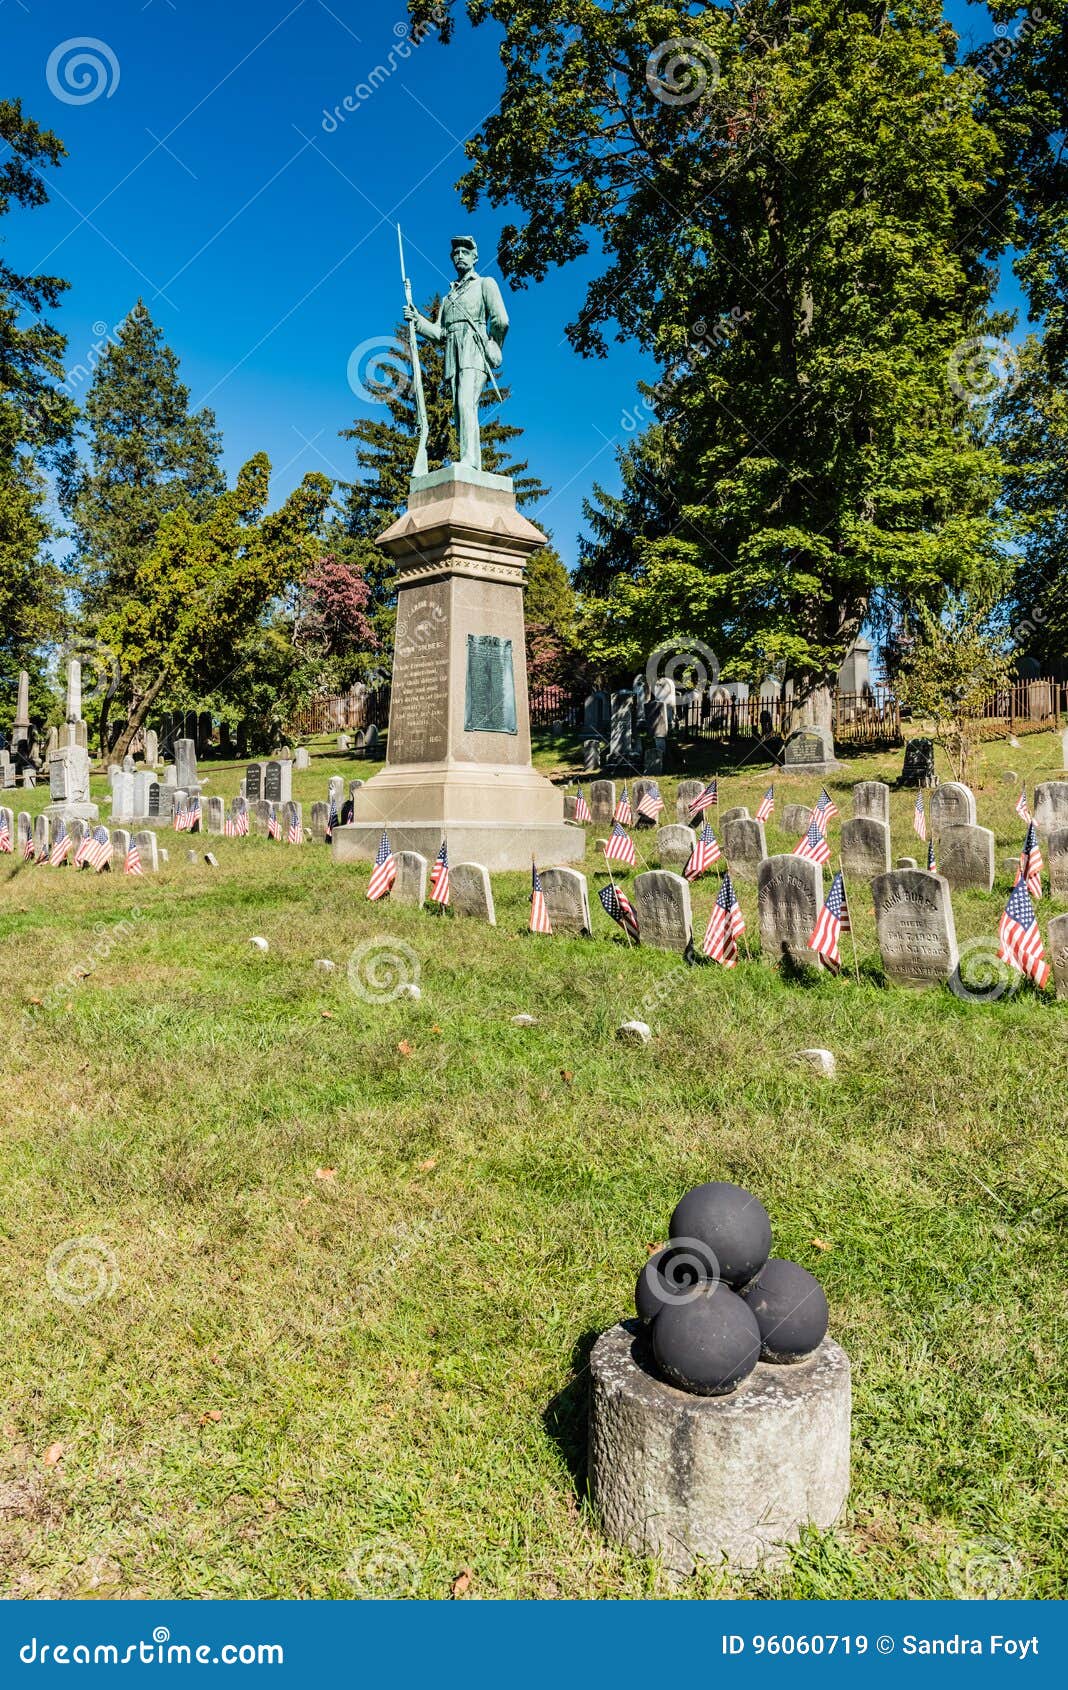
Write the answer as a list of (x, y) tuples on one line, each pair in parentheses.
[(566, 1414)]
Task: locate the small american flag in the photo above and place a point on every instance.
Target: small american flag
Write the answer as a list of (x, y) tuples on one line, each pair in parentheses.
[(616, 904), (1019, 940), (229, 827), (724, 926), (623, 812), (60, 846), (439, 877), (1031, 864), (274, 826), (582, 809), (98, 855), (619, 847), (193, 824), (823, 809), (932, 866), (833, 922), (83, 848), (181, 818), (132, 864), (813, 845), (919, 817), (332, 819), (295, 836), (384, 872), (706, 851), (651, 803), (27, 848), (705, 800), (1023, 809), (539, 910), (5, 833), (766, 805)]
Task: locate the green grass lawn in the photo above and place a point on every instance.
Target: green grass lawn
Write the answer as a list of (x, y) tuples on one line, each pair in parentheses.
[(353, 1253)]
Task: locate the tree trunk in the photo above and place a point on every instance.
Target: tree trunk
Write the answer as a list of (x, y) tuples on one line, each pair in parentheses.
[(138, 713)]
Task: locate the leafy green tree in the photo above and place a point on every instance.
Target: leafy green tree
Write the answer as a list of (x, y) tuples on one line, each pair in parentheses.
[(385, 451), (206, 584), (948, 669), (36, 415), (785, 195), (148, 456), (1032, 429)]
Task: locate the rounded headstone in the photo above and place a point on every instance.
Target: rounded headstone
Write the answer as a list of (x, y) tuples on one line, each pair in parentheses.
[(707, 1343), (731, 1222), (790, 1309)]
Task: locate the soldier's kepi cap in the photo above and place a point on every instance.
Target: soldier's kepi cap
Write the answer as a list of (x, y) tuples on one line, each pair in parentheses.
[(463, 240)]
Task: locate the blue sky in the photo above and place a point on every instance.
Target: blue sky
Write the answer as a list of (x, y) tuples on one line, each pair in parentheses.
[(211, 179)]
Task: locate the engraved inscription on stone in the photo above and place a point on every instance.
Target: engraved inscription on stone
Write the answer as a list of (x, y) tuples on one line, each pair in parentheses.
[(418, 718), (489, 702), (914, 920), (272, 784), (253, 776)]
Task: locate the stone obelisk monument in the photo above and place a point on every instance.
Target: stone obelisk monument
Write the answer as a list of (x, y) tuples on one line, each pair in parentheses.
[(458, 752)]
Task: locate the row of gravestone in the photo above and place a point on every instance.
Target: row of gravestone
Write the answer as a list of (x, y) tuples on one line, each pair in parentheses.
[(25, 828), (913, 913)]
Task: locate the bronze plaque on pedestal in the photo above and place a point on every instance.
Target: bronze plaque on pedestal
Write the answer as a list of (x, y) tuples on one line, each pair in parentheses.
[(489, 702)]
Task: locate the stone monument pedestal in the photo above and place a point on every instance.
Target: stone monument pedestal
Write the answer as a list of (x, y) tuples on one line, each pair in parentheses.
[(458, 753), (732, 1478)]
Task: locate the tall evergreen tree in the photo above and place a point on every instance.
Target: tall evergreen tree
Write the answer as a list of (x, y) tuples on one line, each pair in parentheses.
[(786, 196), (35, 414)]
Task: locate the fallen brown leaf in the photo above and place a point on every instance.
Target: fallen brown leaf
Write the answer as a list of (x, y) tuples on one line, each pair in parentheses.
[(210, 1414), (328, 1015), (326, 1173), (53, 1454), (567, 1076), (461, 1584), (425, 1167), (653, 1248), (405, 1048), (819, 1244)]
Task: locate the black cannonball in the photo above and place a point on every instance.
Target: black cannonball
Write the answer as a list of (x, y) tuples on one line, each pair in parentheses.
[(791, 1311), (708, 1344), (668, 1276), (732, 1223)]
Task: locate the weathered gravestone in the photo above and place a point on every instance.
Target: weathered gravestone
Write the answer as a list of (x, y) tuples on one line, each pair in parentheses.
[(122, 796), (744, 846), (410, 884), (638, 790), (79, 832), (302, 758), (354, 787), (1064, 749), (789, 899), (865, 847), (68, 783), (591, 755), (918, 768), (9, 817), (42, 837), (567, 900), (335, 789), (570, 805), (261, 814), (952, 805), (292, 817), (662, 905), (871, 800), (470, 892), (1057, 935), (1051, 805), (914, 923), (966, 857), (151, 747), (623, 746), (185, 763), (674, 844), (320, 819), (214, 814), (120, 847), (602, 800), (685, 794), (160, 802), (906, 862), (148, 850), (278, 782), (810, 750), (24, 826), (795, 818), (736, 813), (254, 781), (372, 748), (1058, 863)]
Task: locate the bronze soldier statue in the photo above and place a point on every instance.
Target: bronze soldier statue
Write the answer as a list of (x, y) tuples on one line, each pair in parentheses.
[(472, 322)]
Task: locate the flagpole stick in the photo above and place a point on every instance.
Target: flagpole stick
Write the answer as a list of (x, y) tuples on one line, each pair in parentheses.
[(852, 935)]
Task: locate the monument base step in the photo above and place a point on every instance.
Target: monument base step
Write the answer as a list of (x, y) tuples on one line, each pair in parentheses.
[(496, 845), (72, 812)]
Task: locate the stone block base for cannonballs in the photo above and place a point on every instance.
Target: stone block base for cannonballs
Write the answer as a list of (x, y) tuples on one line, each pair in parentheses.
[(498, 845), (721, 1479)]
